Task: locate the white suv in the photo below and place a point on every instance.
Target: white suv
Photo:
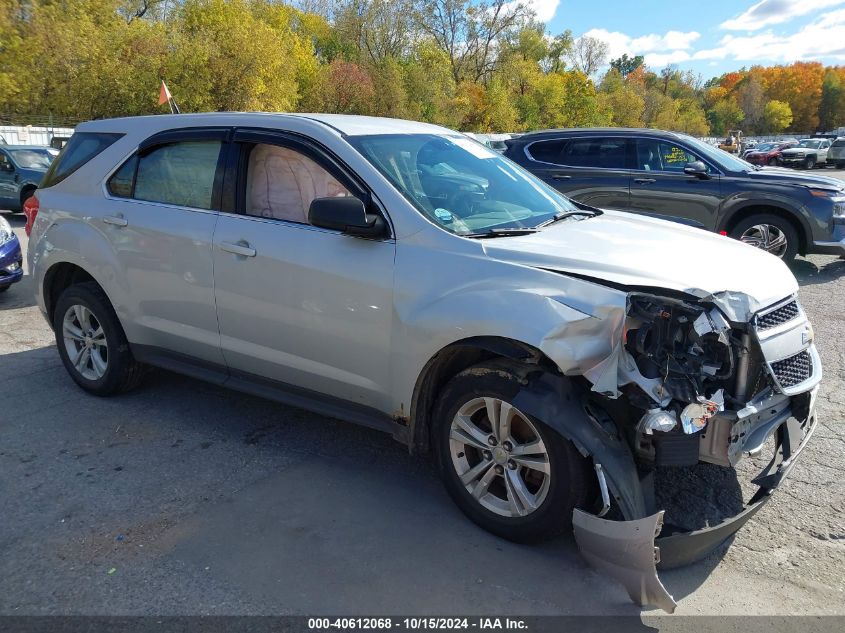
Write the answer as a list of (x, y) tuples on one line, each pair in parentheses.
[(552, 355)]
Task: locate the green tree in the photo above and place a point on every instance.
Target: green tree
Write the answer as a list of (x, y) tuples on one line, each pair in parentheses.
[(725, 115), (832, 105), (626, 65), (777, 116)]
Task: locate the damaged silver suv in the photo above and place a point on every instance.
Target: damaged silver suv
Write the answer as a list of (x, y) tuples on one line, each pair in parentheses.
[(553, 356)]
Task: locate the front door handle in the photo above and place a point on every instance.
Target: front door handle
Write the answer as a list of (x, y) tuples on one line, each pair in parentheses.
[(116, 220), (561, 177), (243, 249), (644, 181)]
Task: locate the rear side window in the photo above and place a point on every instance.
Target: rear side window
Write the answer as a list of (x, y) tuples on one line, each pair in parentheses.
[(82, 147), (601, 153), (181, 174)]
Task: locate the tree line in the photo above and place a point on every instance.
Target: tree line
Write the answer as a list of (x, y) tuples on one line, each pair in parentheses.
[(474, 65)]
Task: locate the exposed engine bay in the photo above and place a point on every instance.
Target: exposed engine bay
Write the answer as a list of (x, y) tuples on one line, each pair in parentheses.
[(695, 387)]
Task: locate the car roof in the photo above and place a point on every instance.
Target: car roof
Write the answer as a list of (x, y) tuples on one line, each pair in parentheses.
[(595, 131), (344, 124)]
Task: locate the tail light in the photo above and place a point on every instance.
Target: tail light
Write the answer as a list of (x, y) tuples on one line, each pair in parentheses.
[(30, 210)]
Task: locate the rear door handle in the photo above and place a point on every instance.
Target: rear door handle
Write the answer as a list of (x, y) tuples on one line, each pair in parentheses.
[(243, 249), (561, 177), (116, 220), (644, 181)]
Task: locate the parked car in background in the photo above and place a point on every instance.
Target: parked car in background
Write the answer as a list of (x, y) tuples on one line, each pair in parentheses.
[(399, 275), (21, 169), (675, 176), (836, 153), (11, 269), (809, 153), (768, 153)]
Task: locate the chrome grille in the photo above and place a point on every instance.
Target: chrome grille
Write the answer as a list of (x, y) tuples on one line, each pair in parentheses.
[(793, 370), (784, 313)]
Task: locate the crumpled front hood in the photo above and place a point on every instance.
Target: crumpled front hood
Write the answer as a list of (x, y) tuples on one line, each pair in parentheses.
[(632, 250)]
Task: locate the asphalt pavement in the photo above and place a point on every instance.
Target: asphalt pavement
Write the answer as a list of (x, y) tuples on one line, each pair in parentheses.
[(184, 498)]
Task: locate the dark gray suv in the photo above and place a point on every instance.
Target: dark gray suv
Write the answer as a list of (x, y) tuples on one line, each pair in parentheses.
[(678, 177)]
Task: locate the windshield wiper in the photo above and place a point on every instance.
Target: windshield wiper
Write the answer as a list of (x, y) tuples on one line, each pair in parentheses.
[(502, 232), (563, 215)]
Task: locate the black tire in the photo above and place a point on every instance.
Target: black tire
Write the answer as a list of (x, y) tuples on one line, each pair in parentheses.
[(773, 161), (571, 480), (122, 372), (840, 165), (783, 225), (4, 288), (809, 162)]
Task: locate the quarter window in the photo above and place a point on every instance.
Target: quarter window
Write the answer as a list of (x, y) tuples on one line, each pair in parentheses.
[(281, 183), (82, 147)]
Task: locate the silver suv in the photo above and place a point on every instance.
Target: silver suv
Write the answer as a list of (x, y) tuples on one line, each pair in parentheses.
[(553, 356)]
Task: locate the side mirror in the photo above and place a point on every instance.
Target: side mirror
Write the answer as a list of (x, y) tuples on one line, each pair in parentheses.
[(6, 167), (347, 214), (696, 168)]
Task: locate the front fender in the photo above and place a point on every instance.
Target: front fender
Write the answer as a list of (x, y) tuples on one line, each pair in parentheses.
[(734, 206)]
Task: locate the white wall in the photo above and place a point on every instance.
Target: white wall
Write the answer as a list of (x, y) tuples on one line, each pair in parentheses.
[(32, 135)]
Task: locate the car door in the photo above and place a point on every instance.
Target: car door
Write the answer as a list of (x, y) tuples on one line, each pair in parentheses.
[(660, 187), (160, 216), (300, 305), (8, 182), (824, 148), (592, 170)]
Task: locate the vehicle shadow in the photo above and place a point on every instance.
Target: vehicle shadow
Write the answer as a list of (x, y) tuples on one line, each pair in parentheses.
[(823, 271), (19, 295), (293, 510)]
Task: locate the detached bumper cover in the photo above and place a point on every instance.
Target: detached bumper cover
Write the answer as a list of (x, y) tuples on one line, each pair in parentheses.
[(629, 552)]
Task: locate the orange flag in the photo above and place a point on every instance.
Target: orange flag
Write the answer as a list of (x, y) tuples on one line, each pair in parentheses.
[(164, 95)]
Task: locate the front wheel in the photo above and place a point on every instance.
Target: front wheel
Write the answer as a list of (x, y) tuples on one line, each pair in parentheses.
[(809, 162), (770, 233), (508, 472)]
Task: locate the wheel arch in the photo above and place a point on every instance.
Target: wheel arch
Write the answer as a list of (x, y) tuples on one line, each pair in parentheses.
[(26, 191), (450, 361), (757, 208), (58, 278)]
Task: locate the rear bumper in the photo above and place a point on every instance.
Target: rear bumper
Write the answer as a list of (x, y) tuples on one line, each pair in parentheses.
[(11, 263), (632, 551)]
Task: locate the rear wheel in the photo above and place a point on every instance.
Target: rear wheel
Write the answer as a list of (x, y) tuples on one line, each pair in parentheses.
[(91, 342), (770, 233), (507, 471)]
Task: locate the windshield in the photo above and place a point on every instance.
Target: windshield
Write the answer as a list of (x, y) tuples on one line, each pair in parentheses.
[(764, 147), (809, 144), (32, 158), (460, 184), (722, 158)]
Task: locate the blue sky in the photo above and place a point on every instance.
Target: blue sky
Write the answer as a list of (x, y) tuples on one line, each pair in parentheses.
[(707, 36)]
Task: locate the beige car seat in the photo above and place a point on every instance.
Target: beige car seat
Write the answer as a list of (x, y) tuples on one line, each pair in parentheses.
[(281, 183)]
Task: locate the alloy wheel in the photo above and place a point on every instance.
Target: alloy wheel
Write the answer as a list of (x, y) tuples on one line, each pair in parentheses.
[(85, 342), (767, 237), (499, 457)]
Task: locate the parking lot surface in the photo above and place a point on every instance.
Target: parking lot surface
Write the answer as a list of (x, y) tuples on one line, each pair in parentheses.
[(184, 498)]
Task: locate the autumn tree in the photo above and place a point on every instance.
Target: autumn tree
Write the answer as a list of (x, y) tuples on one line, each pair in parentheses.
[(588, 54), (625, 65), (777, 116)]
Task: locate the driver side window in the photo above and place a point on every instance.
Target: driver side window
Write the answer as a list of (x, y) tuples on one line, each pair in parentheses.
[(281, 183), (654, 155)]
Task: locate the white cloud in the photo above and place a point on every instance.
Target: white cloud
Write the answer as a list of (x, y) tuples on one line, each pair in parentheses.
[(767, 12), (545, 9), (670, 48), (823, 38)]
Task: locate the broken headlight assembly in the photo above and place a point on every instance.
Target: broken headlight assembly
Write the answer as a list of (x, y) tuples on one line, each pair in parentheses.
[(695, 390)]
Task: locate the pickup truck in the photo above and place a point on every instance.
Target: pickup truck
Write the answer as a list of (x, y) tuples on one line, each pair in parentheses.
[(809, 153)]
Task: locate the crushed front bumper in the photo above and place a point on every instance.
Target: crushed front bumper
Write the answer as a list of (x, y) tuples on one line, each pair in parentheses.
[(631, 551)]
